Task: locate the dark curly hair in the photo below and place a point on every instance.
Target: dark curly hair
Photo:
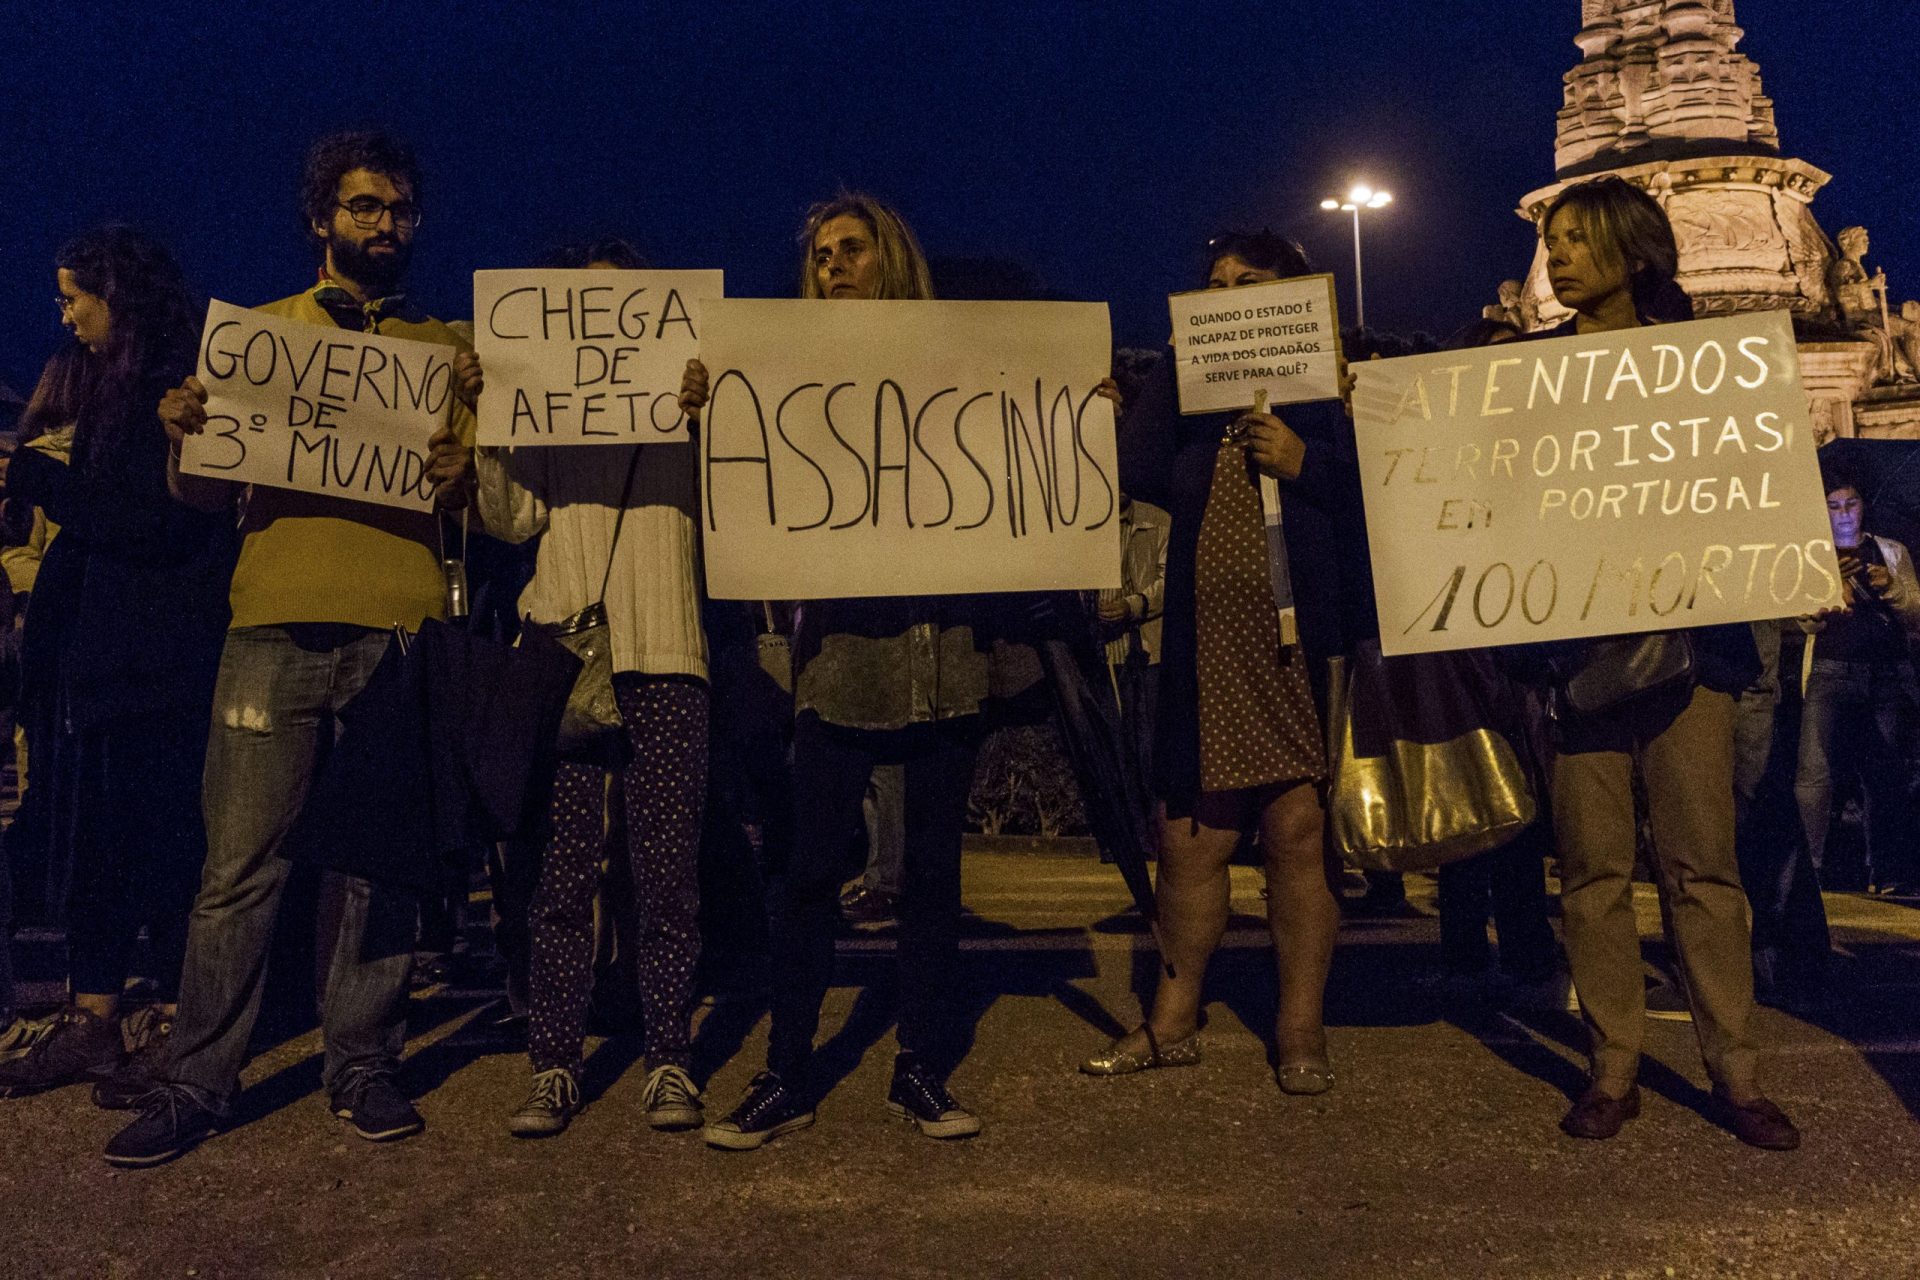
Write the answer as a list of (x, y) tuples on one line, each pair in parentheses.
[(152, 339), (1264, 250), (334, 156), (612, 250)]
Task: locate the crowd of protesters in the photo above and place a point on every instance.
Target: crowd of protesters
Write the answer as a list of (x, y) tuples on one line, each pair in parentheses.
[(189, 646)]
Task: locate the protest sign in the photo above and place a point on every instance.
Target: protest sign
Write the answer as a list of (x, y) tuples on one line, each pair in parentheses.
[(1281, 337), (1611, 483), (318, 408), (855, 448), (586, 357)]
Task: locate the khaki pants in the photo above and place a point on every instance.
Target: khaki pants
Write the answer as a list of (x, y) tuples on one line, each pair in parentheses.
[(1684, 747)]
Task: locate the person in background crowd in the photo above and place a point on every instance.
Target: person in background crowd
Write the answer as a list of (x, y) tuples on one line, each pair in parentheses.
[(1129, 618), (1508, 883), (1240, 746), (128, 612), (1858, 673), (873, 900), (320, 584), (30, 863), (890, 680), (622, 518), (1611, 258)]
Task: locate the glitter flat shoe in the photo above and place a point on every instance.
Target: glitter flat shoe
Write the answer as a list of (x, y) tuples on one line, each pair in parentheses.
[(1124, 1062)]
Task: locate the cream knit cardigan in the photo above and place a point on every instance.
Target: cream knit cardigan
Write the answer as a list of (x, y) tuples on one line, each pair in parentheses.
[(566, 496)]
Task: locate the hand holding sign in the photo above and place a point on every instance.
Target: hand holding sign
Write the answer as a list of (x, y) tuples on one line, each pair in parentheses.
[(183, 410)]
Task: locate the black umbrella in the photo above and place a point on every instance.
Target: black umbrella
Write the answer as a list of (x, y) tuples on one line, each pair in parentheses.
[(449, 746), (1111, 785)]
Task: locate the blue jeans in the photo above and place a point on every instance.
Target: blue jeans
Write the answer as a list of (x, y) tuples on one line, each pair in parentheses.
[(274, 707), (1882, 698)]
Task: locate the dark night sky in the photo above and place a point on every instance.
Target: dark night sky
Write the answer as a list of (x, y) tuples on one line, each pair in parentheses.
[(1098, 144)]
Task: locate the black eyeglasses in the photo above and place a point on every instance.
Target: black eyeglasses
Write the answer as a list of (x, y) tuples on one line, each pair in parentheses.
[(367, 210)]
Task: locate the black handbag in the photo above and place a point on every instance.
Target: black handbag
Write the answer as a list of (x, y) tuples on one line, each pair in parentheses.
[(1612, 672), (591, 730)]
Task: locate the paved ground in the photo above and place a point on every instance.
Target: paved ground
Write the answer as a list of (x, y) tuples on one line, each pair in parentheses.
[(1435, 1156)]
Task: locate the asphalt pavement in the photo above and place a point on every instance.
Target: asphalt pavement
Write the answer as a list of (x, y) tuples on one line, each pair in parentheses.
[(1436, 1154)]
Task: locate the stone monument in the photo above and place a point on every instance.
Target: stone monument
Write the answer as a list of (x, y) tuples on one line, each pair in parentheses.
[(1663, 98)]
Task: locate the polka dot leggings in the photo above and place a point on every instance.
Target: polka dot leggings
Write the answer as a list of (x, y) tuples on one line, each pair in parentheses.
[(666, 789)]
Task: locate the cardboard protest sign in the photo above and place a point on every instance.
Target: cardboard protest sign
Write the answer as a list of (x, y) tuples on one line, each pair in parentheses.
[(586, 357), (1281, 337), (855, 448), (1613, 483), (318, 408)]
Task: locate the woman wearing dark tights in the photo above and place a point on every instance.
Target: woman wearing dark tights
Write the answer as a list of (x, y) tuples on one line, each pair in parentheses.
[(861, 701)]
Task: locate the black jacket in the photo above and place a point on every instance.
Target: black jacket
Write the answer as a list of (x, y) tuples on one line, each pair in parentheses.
[(1168, 460), (133, 608)]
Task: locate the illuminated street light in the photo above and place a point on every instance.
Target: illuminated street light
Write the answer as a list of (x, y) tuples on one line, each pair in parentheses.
[(1362, 196)]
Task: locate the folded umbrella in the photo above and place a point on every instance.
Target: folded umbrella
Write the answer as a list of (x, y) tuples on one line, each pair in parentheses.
[(448, 747)]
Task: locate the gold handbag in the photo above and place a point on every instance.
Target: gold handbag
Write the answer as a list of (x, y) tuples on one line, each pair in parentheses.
[(1423, 772)]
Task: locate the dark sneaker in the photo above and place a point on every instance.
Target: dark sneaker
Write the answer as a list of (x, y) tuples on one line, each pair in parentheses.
[(864, 908), (550, 1106), (1667, 1002), (371, 1102), (171, 1122), (919, 1096), (671, 1101), (22, 1034), (769, 1110), (77, 1047), (1756, 1122), (146, 1033)]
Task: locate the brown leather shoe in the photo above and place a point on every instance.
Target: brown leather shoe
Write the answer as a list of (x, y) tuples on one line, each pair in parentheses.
[(1599, 1115), (1757, 1122)]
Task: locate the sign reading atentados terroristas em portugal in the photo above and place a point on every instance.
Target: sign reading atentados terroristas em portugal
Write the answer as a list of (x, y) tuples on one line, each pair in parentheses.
[(864, 448), (1611, 483), (318, 408)]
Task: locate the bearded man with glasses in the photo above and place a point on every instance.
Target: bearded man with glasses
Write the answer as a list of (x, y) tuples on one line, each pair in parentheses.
[(320, 585)]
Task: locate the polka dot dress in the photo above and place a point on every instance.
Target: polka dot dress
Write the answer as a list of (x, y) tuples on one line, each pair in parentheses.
[(1258, 724), (665, 784)]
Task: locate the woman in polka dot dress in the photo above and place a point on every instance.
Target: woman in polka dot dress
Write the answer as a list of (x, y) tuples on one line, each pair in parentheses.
[(1240, 747), (571, 498)]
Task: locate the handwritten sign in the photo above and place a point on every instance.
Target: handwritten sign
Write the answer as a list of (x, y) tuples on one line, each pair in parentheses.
[(1607, 484), (1281, 337), (318, 408), (856, 448), (586, 357)]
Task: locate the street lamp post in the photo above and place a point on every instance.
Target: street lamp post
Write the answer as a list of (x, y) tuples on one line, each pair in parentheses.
[(1361, 197)]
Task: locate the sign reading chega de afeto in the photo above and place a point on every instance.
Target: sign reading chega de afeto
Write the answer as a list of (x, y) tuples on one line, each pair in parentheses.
[(1603, 484), (1279, 336), (318, 408), (584, 357)]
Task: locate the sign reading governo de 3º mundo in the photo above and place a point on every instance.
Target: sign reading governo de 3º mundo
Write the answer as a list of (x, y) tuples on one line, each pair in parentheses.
[(1603, 484), (884, 448), (318, 408)]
